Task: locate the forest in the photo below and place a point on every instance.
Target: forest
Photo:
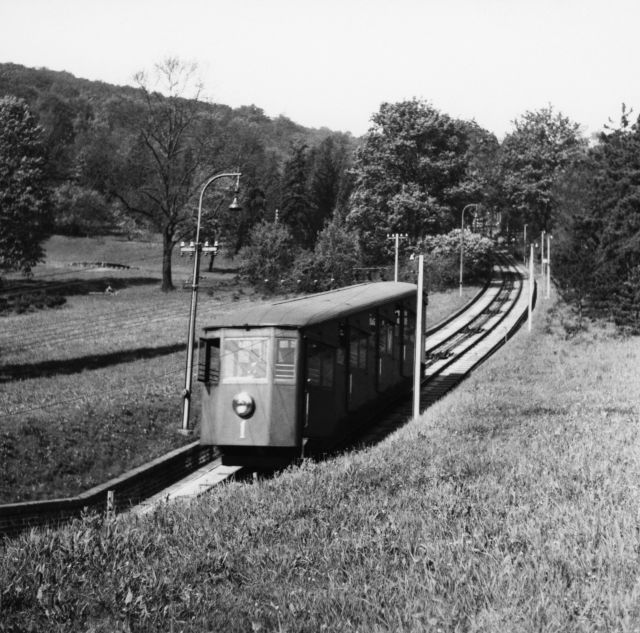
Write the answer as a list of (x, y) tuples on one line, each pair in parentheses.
[(86, 158)]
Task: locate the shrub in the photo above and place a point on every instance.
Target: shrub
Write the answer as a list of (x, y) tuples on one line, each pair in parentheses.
[(442, 258), (332, 263), (81, 211), (268, 257)]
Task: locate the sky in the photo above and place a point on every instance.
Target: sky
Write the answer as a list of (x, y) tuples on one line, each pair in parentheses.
[(331, 63)]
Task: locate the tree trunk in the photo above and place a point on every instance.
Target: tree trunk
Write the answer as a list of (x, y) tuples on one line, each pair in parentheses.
[(167, 250)]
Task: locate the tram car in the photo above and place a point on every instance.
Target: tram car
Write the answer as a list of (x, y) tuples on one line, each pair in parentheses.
[(303, 374)]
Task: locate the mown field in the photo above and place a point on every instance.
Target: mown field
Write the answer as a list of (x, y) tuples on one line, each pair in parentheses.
[(510, 505), (93, 388)]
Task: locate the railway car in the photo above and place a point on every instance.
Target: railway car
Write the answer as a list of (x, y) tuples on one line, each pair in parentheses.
[(302, 374)]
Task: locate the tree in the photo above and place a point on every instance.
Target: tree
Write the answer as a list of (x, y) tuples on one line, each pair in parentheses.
[(616, 198), (296, 209), (532, 158), (170, 159), (329, 181), (597, 235), (25, 219), (411, 174)]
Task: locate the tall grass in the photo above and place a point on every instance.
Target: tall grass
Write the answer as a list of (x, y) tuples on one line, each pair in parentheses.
[(510, 505)]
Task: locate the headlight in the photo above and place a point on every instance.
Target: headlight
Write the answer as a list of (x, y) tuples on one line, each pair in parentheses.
[(243, 405)]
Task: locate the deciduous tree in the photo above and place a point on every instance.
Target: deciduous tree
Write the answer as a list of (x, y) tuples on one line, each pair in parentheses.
[(411, 175), (532, 158), (167, 165), (25, 219)]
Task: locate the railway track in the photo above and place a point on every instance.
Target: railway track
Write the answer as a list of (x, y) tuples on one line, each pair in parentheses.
[(452, 349)]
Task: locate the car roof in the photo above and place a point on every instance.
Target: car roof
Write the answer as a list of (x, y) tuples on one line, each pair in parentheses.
[(311, 309)]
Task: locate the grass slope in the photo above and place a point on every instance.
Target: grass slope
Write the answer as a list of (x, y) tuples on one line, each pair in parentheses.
[(510, 505)]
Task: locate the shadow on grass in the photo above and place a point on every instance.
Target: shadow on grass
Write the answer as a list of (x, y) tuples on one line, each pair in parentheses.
[(76, 365)]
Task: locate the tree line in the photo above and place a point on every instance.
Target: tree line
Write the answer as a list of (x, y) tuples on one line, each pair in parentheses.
[(133, 159), (318, 205)]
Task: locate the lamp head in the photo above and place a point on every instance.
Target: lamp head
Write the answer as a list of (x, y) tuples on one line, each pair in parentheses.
[(235, 205)]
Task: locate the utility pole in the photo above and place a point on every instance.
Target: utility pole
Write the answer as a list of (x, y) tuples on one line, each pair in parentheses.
[(532, 281), (549, 238), (417, 368), (396, 237)]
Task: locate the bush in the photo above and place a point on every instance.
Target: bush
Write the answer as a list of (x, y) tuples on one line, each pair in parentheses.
[(266, 261), (442, 258), (30, 302), (81, 211), (332, 263)]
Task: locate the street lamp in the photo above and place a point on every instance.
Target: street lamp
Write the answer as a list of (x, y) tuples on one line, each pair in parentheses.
[(196, 248), (475, 205), (524, 245)]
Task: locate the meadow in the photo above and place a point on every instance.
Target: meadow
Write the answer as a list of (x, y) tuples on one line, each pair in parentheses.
[(510, 505), (93, 388)]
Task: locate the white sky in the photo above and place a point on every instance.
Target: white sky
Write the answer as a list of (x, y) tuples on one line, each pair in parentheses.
[(333, 62)]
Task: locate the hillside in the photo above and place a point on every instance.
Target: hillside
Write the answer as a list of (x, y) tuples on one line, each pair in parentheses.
[(98, 162), (60, 98)]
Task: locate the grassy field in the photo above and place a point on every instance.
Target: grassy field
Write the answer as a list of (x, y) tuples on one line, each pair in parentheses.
[(510, 505), (92, 389)]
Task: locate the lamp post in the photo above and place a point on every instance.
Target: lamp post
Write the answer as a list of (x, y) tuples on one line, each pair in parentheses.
[(196, 248), (524, 245), (462, 240), (397, 237)]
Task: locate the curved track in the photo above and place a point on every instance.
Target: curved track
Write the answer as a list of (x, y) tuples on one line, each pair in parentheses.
[(453, 348)]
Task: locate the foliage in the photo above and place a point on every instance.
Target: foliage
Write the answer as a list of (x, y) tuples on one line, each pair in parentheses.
[(105, 147), (442, 258), (597, 251), (331, 264), (24, 196), (296, 209), (170, 160), (268, 257), (81, 210), (330, 179), (532, 158), (413, 174), (577, 266), (29, 301)]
